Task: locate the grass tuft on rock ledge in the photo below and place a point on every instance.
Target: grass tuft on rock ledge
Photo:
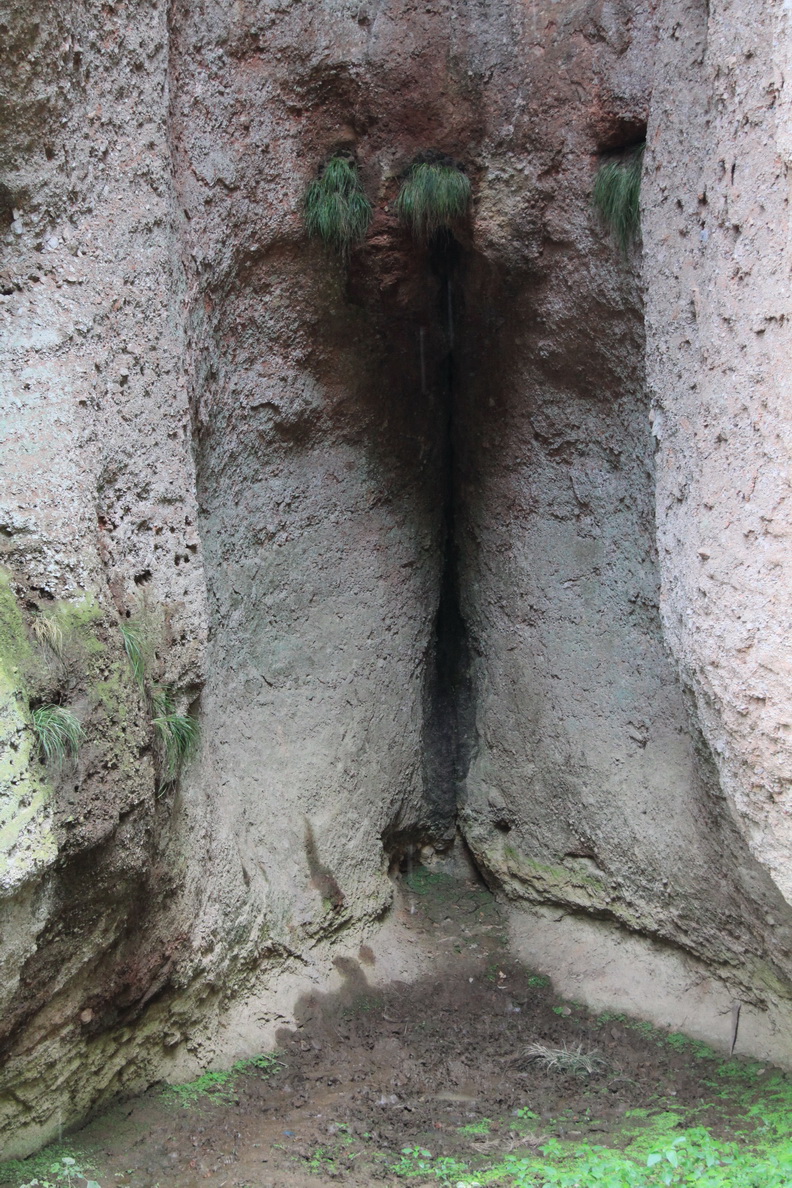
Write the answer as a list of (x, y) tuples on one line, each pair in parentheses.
[(432, 197), (336, 209), (178, 734), (617, 197), (133, 646), (58, 733)]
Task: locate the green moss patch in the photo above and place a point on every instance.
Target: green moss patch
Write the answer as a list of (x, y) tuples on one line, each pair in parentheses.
[(219, 1086), (27, 841)]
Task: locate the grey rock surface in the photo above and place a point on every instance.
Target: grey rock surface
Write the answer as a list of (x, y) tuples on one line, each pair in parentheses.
[(717, 197), (387, 529)]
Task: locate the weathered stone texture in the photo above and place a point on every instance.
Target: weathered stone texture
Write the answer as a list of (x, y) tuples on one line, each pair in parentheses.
[(98, 512), (389, 527), (717, 255)]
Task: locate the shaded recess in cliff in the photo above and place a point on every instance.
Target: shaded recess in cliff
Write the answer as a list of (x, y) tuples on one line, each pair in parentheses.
[(449, 718)]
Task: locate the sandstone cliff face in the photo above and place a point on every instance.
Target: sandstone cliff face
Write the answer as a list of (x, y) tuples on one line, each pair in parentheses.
[(98, 514), (390, 529), (717, 197)]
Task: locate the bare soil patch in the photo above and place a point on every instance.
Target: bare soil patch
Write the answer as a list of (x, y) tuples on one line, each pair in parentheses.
[(444, 1065)]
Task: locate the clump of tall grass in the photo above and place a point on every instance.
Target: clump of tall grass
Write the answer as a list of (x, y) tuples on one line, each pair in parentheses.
[(335, 208), (131, 637), (178, 734), (58, 732), (617, 197), (432, 197), (48, 630), (565, 1059)]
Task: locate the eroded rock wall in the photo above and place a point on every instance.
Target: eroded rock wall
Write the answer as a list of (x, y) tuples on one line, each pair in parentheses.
[(716, 235), (591, 786), (388, 527), (98, 521)]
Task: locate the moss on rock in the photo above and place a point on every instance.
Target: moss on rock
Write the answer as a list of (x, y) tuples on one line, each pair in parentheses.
[(27, 838)]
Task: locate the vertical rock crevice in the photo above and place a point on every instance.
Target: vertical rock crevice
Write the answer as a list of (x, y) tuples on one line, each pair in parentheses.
[(448, 694)]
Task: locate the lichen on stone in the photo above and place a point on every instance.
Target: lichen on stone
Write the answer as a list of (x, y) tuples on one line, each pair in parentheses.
[(27, 838)]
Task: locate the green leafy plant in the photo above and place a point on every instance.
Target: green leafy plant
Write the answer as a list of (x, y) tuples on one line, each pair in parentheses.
[(417, 1161), (483, 1126), (131, 636), (58, 732), (64, 1171), (178, 734), (432, 197), (617, 196), (53, 1167), (335, 208), (219, 1086)]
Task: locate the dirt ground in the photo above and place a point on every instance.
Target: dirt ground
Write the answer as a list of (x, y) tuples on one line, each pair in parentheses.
[(440, 1066)]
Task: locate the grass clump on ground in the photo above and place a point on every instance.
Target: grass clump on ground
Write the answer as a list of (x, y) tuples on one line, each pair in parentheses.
[(617, 197), (335, 208), (63, 1166), (58, 733), (566, 1059), (432, 197)]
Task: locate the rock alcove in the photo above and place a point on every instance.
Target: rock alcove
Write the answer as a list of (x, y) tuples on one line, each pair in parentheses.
[(454, 542)]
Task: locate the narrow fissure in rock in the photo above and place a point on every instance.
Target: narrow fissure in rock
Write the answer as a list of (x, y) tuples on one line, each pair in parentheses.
[(448, 692)]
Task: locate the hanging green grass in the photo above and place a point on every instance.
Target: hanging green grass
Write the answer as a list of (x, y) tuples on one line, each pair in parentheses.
[(58, 733), (432, 197), (336, 209), (178, 734), (617, 197), (130, 634)]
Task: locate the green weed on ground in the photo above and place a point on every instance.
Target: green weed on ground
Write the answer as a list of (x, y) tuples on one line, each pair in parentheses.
[(483, 1126), (693, 1157), (220, 1086), (422, 881), (63, 1166), (674, 1039), (652, 1149), (326, 1159)]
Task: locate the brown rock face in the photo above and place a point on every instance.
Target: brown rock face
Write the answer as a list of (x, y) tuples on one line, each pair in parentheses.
[(388, 526)]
